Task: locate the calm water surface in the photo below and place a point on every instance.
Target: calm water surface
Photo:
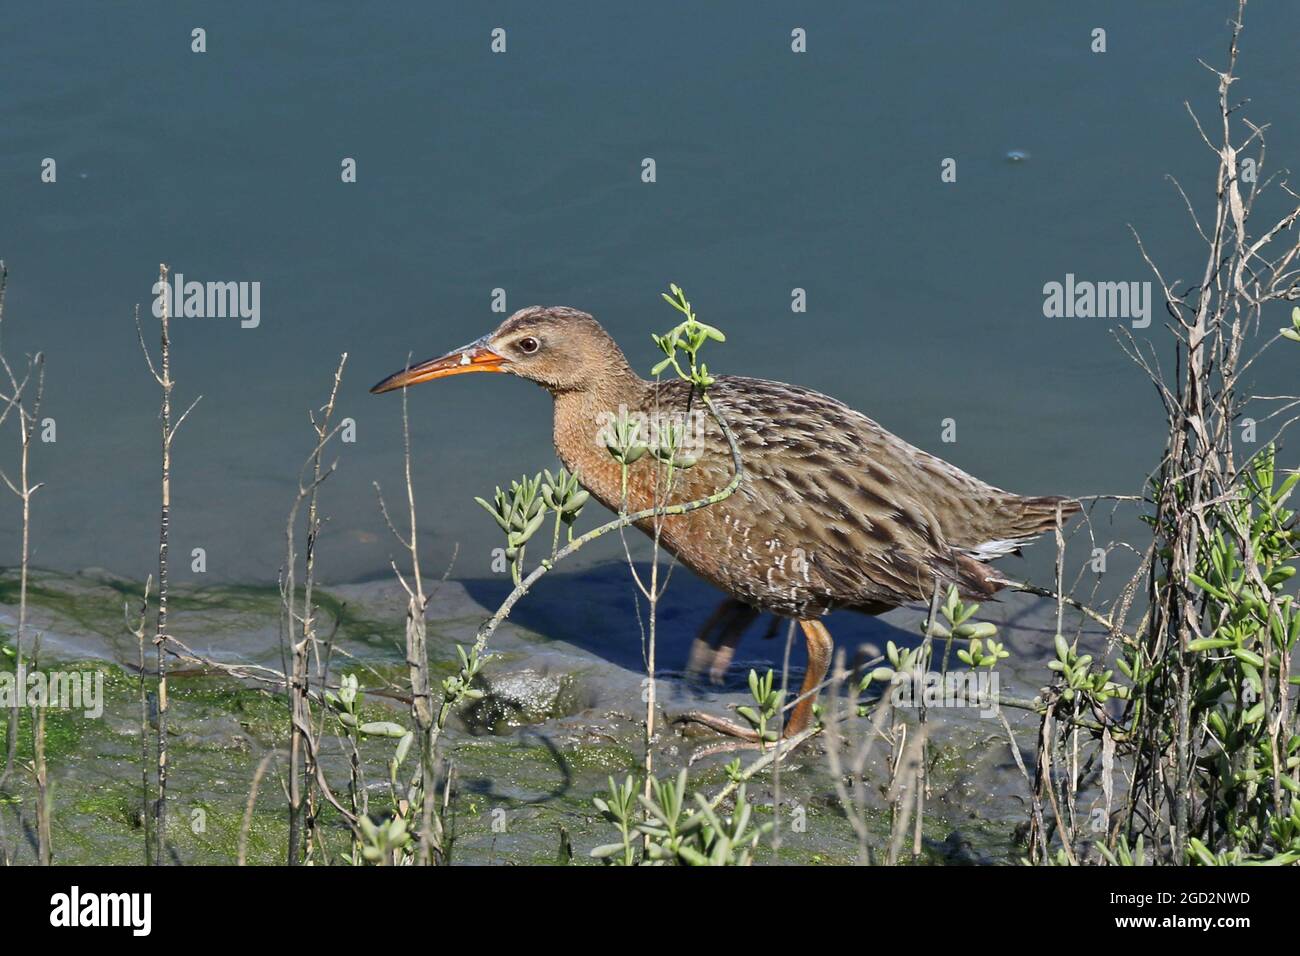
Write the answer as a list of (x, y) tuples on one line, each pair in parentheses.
[(522, 171)]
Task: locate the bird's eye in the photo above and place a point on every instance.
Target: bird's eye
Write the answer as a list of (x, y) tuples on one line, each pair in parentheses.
[(529, 345)]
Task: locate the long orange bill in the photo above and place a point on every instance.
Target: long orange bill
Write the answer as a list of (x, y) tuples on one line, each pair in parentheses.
[(475, 357)]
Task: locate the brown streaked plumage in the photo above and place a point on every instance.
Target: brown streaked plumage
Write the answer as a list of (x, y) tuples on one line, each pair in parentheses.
[(833, 510)]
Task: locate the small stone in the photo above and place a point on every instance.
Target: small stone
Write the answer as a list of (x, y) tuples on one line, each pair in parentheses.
[(524, 697)]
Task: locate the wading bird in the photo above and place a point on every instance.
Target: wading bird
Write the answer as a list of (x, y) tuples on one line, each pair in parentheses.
[(832, 512)]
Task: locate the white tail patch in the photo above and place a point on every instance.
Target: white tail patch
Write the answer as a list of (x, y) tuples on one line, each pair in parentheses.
[(990, 550)]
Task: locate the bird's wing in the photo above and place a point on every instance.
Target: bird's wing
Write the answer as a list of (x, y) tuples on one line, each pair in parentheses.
[(874, 509)]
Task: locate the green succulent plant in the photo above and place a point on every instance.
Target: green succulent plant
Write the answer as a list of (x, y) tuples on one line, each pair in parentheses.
[(519, 512), (565, 496)]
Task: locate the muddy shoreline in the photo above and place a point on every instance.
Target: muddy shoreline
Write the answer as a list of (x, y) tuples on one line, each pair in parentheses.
[(561, 713)]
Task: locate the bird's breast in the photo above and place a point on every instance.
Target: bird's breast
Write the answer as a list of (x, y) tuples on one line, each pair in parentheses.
[(743, 544)]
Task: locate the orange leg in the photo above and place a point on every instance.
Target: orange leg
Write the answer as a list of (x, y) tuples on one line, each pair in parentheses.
[(820, 646), (715, 644)]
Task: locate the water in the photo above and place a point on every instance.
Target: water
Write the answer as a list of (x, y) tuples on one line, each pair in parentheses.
[(522, 171)]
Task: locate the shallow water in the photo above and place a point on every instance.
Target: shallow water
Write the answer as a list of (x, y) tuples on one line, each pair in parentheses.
[(521, 171)]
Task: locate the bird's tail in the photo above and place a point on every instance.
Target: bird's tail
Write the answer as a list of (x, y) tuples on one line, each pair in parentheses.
[(1018, 522), (1039, 515)]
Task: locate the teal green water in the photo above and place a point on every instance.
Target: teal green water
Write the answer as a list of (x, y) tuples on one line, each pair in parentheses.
[(522, 171)]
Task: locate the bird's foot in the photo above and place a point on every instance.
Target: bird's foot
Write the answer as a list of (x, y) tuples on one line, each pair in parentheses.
[(708, 660), (725, 747), (799, 720), (744, 738), (721, 724), (715, 644)]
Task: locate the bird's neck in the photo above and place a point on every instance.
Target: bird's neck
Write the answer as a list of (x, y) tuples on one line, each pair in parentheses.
[(580, 417)]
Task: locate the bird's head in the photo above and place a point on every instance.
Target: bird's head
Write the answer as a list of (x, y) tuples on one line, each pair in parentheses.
[(562, 349)]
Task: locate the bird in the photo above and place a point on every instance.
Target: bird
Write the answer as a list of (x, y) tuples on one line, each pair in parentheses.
[(715, 643), (832, 511)]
